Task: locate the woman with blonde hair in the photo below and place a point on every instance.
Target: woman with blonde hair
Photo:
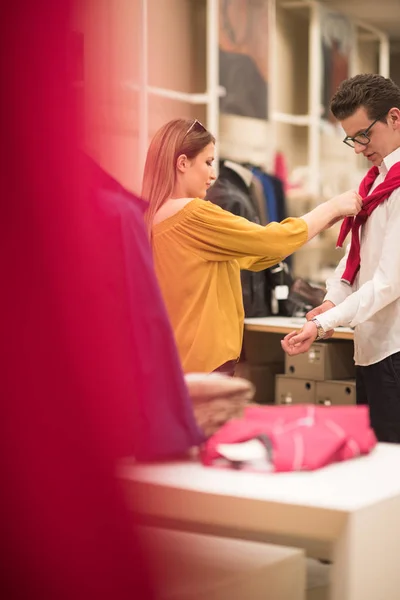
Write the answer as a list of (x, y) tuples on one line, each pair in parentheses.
[(199, 248)]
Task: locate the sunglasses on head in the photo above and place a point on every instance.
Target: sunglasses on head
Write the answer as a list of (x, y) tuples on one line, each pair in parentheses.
[(196, 126)]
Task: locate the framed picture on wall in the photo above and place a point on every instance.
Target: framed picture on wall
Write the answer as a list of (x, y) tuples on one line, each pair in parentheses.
[(243, 57), (337, 47)]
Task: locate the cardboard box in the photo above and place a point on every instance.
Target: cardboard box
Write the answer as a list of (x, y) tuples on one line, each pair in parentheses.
[(263, 378), (324, 360), (292, 390), (261, 348), (332, 393)]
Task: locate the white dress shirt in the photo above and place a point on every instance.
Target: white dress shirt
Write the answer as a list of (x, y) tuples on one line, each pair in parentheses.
[(372, 304)]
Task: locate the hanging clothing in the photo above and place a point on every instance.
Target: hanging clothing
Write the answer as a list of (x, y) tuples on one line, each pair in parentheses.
[(280, 197), (198, 254), (280, 169), (274, 194), (258, 199), (269, 193), (231, 193)]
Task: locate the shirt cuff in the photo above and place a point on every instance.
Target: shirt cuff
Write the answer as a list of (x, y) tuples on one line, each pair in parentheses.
[(330, 319), (339, 294)]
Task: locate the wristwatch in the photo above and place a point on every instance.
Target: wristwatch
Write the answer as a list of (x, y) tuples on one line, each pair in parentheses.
[(320, 330)]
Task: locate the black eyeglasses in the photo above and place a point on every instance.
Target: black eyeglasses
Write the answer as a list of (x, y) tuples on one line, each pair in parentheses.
[(361, 138), (195, 125)]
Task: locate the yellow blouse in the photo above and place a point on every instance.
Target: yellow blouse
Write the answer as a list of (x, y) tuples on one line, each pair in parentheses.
[(198, 254)]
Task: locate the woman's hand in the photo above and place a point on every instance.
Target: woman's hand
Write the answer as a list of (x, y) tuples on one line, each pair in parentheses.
[(347, 204)]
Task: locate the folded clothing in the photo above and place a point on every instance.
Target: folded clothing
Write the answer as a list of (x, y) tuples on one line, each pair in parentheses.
[(217, 398), (296, 438)]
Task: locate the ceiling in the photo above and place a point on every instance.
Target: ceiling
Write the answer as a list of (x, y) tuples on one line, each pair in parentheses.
[(382, 14)]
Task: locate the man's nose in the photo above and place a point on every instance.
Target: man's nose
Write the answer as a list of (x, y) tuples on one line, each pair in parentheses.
[(359, 148)]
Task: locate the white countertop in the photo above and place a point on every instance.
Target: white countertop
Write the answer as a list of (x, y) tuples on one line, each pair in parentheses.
[(346, 486), (291, 322)]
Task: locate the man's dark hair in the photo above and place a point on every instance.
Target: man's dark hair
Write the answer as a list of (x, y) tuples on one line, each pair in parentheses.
[(377, 94)]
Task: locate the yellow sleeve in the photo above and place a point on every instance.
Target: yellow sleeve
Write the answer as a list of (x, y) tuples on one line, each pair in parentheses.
[(218, 235)]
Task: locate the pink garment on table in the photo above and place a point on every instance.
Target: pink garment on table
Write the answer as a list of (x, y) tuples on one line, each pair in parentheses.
[(303, 437)]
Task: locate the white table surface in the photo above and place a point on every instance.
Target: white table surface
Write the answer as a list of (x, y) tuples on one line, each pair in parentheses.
[(348, 512), (287, 322), (346, 486)]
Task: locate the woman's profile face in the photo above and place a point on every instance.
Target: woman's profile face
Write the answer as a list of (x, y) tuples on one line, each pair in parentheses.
[(200, 173)]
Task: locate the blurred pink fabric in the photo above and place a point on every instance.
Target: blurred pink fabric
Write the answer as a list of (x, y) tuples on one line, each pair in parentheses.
[(67, 382)]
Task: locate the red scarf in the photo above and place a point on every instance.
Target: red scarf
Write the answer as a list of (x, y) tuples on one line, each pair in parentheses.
[(353, 224)]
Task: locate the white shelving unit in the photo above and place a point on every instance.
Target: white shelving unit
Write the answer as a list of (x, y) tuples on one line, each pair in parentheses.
[(294, 85), (309, 12), (210, 98)]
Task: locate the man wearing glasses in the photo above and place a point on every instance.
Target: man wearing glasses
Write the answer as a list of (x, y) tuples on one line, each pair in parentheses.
[(364, 292)]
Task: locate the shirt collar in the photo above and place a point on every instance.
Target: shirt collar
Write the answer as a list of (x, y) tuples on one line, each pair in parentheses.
[(389, 160)]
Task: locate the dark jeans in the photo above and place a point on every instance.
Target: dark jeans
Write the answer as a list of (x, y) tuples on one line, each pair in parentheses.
[(378, 386), (227, 368)]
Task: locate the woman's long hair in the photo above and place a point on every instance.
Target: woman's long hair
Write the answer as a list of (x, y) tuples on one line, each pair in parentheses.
[(180, 136)]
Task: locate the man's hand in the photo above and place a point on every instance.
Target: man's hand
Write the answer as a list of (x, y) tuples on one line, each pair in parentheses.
[(297, 342), (318, 310)]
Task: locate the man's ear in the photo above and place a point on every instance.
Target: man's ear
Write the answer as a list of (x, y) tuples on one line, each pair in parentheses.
[(182, 163), (394, 116)]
